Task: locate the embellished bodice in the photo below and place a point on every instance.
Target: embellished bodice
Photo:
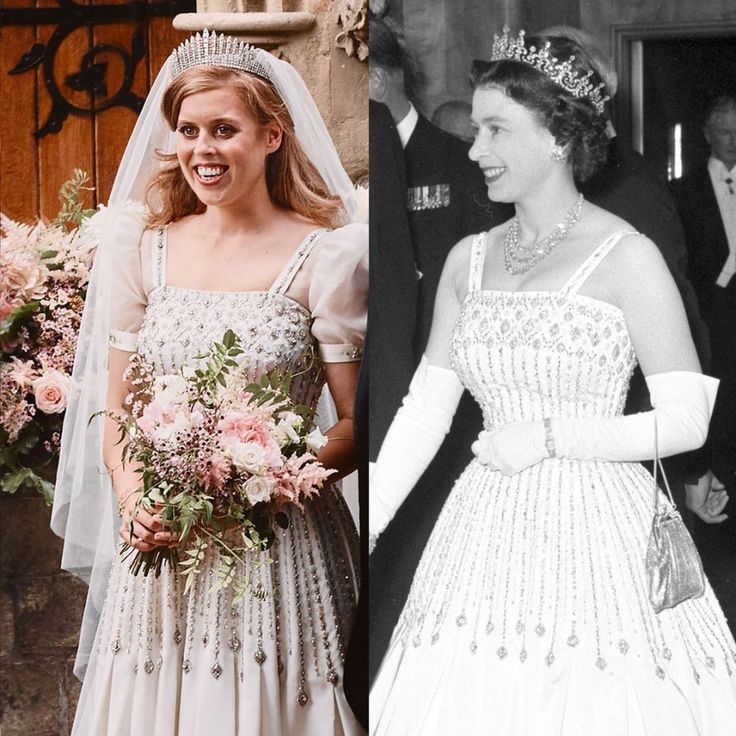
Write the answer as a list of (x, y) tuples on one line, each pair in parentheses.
[(532, 354), (274, 330)]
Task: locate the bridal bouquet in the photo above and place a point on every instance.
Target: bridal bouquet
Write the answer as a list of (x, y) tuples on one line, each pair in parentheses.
[(219, 456)]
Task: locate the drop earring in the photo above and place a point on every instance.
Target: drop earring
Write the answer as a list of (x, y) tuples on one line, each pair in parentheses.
[(557, 154)]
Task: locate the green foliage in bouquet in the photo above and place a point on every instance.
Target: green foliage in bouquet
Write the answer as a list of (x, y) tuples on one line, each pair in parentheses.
[(219, 458)]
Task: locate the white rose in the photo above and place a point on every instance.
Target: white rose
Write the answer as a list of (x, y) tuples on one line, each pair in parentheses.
[(163, 433), (316, 440), (248, 456), (258, 488), (171, 388), (167, 431), (288, 427)]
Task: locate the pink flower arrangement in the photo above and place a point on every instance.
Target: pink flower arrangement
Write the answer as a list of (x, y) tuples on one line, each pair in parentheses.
[(44, 272), (220, 456)]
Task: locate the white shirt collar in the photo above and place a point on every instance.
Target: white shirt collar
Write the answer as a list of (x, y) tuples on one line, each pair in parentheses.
[(719, 170), (718, 173), (406, 127)]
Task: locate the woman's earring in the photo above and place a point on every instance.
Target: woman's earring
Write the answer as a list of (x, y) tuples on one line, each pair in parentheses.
[(557, 153)]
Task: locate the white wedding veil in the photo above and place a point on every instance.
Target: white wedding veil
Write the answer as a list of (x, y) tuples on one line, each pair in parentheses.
[(84, 512)]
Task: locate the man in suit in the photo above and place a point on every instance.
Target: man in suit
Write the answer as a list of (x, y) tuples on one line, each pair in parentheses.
[(446, 195), (392, 304), (706, 198), (392, 310), (444, 200)]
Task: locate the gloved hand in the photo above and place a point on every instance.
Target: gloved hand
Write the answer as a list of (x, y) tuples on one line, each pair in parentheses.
[(511, 448), (683, 403)]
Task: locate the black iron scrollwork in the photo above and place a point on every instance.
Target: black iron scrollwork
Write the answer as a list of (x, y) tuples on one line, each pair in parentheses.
[(92, 74)]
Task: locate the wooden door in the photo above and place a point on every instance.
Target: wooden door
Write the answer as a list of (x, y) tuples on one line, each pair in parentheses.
[(60, 68)]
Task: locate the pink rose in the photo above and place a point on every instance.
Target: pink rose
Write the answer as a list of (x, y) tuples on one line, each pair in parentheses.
[(23, 278), (51, 391), (246, 428)]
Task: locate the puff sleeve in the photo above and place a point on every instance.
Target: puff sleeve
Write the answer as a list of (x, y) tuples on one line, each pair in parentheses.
[(338, 293), (129, 288)]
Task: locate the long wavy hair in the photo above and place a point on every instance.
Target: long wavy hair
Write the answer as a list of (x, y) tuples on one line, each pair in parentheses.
[(292, 179)]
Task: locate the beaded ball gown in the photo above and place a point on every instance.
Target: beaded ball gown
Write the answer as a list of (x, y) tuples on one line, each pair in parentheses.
[(529, 613), (166, 663)]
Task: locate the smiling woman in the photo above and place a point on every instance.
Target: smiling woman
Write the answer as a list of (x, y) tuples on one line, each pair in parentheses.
[(532, 610), (242, 234), (216, 109)]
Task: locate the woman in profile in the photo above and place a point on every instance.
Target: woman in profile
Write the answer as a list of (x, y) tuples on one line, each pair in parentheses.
[(241, 232), (529, 612)]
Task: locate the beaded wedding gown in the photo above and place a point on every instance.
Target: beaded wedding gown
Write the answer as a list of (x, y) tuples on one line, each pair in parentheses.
[(528, 614), (166, 663)]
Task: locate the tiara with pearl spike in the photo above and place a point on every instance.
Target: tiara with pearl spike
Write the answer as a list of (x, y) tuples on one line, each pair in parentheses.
[(560, 72), (211, 49)]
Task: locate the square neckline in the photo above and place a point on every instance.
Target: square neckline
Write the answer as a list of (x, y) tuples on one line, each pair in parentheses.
[(293, 263)]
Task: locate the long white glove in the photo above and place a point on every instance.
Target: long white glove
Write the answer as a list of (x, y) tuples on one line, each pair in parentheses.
[(412, 440), (683, 403)]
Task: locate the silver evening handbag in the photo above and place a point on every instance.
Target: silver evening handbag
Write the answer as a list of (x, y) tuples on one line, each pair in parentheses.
[(674, 570)]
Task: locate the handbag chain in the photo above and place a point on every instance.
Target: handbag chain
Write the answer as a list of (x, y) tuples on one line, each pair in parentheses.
[(658, 464)]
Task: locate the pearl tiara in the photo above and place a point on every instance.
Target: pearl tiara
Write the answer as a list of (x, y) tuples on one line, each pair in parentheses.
[(211, 49), (561, 73)]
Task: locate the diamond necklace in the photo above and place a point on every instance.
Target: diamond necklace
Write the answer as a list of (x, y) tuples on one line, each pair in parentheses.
[(519, 258)]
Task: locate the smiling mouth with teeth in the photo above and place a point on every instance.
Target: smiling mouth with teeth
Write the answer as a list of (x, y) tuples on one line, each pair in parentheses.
[(210, 173), (493, 172)]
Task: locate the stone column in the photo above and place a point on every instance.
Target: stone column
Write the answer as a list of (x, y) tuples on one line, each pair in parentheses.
[(266, 24)]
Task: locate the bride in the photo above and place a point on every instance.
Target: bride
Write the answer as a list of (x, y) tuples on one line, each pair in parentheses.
[(241, 232), (529, 612)]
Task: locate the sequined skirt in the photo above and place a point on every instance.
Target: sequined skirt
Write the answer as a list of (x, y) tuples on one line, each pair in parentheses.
[(168, 663), (529, 615)]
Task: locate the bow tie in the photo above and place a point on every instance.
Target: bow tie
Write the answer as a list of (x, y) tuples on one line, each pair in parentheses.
[(729, 182)]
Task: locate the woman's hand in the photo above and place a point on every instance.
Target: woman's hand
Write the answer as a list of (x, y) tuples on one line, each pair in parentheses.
[(512, 448), (707, 498), (148, 528)]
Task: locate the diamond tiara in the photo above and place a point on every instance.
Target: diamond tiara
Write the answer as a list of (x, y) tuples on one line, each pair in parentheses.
[(211, 49), (561, 73)]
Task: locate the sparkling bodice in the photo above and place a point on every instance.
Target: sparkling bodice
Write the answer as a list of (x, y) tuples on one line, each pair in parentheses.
[(526, 355), (274, 330)]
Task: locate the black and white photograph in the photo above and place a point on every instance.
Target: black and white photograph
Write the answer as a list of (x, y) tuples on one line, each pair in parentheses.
[(553, 326)]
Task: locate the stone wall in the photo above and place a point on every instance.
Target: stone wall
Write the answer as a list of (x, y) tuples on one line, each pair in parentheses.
[(40, 611), (338, 82)]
